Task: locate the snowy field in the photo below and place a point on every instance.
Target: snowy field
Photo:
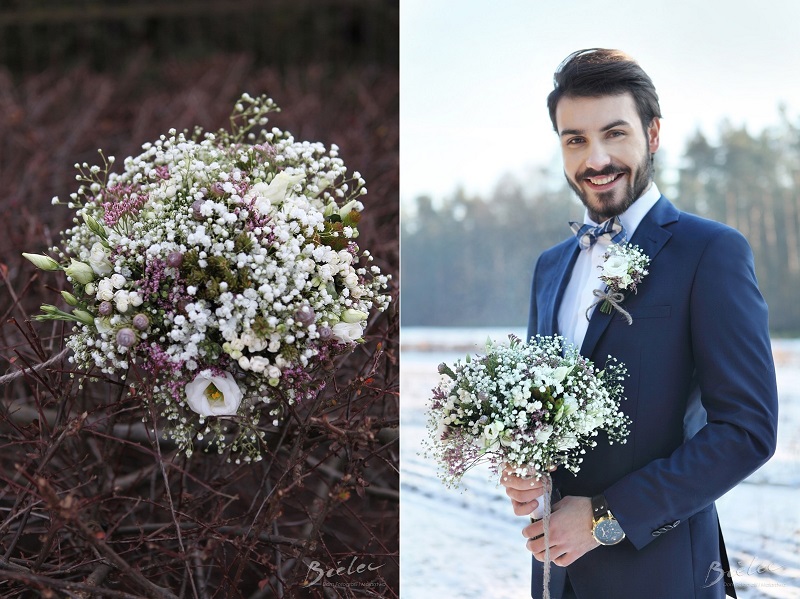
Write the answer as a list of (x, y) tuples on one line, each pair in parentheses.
[(469, 544)]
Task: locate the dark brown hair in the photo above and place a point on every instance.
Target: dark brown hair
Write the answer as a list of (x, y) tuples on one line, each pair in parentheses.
[(600, 72)]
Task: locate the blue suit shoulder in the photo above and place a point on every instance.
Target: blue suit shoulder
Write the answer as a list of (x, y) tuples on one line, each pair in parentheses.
[(700, 227)]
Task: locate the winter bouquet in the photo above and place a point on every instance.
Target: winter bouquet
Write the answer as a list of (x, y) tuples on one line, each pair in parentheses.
[(223, 268), (527, 406)]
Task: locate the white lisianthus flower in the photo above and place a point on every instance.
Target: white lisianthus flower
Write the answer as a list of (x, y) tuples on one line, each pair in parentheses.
[(352, 316), (493, 430), (347, 332), (347, 208), (616, 266), (41, 261), (275, 192), (211, 395), (560, 373), (80, 272), (102, 325), (543, 434), (491, 435), (98, 259)]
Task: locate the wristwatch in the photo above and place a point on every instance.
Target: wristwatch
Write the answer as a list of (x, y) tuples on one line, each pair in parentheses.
[(606, 529)]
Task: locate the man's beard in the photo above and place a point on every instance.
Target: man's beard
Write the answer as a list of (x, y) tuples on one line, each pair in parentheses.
[(634, 190)]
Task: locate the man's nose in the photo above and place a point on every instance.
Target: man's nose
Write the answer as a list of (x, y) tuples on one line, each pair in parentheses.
[(598, 157)]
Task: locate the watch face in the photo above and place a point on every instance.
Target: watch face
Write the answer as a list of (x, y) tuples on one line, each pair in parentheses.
[(608, 532)]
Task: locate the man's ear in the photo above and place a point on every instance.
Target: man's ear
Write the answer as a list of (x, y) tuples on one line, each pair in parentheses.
[(653, 139)]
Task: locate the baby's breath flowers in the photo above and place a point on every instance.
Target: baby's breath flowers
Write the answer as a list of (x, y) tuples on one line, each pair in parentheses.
[(527, 406), (224, 267)]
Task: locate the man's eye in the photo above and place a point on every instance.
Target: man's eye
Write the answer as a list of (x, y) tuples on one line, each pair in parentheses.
[(574, 141)]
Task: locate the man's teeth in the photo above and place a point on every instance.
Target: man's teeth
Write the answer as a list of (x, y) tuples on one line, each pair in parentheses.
[(602, 180)]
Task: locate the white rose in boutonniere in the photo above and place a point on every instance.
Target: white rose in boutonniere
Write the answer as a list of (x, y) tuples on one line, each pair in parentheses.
[(275, 193), (623, 268), (212, 395), (615, 266)]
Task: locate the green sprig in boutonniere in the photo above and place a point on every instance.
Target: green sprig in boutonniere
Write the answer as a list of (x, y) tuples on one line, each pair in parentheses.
[(623, 268)]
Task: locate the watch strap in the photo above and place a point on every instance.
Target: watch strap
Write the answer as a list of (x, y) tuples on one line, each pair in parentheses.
[(599, 506)]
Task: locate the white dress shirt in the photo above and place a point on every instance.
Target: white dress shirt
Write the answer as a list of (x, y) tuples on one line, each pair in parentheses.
[(585, 277)]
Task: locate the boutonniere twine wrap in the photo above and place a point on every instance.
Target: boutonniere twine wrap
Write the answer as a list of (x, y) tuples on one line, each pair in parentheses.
[(223, 269), (525, 406), (624, 266)]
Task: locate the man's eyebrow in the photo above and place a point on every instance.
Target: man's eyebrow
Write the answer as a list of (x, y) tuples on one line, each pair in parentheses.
[(617, 123), (612, 125)]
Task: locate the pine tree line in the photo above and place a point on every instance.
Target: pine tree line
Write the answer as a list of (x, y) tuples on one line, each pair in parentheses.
[(467, 261)]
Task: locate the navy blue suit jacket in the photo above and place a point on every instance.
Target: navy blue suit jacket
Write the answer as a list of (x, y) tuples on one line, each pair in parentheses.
[(701, 395)]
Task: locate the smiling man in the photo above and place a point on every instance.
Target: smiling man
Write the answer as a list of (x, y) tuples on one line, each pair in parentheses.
[(638, 520)]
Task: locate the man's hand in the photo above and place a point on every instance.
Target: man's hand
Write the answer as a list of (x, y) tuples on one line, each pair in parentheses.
[(524, 492), (570, 531)]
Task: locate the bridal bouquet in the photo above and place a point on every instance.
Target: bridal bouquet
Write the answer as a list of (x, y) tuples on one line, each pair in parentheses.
[(224, 266), (532, 405), (523, 407)]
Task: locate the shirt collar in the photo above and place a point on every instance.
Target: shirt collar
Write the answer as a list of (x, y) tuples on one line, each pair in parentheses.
[(631, 218)]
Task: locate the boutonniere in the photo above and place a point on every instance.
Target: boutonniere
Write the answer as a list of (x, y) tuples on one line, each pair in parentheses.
[(623, 268)]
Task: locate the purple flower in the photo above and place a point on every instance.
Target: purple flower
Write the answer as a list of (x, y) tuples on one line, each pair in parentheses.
[(174, 259), (141, 322), (126, 337)]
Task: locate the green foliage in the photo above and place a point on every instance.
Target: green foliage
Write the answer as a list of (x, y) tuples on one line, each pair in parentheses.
[(752, 183), (208, 279)]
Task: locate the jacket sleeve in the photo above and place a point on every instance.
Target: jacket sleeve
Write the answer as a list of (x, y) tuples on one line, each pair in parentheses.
[(735, 377)]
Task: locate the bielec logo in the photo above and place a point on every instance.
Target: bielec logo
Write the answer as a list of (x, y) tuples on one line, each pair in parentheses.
[(316, 572)]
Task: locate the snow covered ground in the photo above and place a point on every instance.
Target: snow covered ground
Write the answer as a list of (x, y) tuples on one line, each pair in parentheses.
[(469, 544)]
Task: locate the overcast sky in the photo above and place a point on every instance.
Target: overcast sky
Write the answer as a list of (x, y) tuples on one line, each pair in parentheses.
[(475, 75)]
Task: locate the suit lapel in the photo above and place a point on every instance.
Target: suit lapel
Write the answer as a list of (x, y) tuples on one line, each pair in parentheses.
[(562, 271), (650, 236)]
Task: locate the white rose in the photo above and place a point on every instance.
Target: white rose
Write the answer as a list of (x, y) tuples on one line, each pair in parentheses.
[(121, 299), (211, 395), (258, 364), (105, 290), (616, 266), (118, 281), (98, 259), (347, 332), (351, 280)]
